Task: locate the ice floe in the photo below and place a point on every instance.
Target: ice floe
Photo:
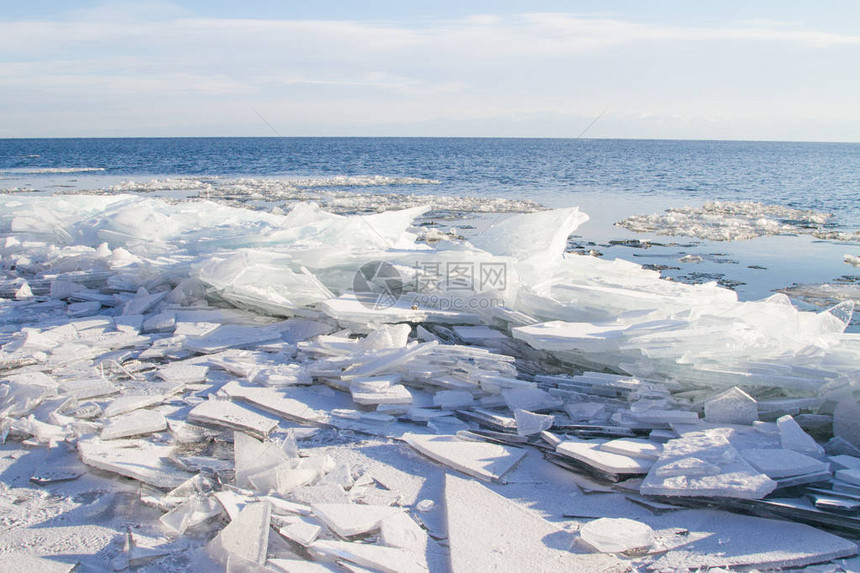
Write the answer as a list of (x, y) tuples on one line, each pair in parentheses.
[(733, 221)]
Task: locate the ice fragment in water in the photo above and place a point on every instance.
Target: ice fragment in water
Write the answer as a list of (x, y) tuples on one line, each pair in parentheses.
[(253, 456), (616, 535), (734, 406)]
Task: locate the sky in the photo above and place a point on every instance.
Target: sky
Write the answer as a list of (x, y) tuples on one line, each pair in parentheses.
[(624, 69)]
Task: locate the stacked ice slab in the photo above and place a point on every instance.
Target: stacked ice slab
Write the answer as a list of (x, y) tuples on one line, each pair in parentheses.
[(136, 328)]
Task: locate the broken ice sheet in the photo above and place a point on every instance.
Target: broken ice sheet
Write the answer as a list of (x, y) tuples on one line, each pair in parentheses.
[(529, 423), (483, 460), (348, 519), (781, 463), (734, 406), (231, 415), (246, 536), (134, 424), (722, 539), (194, 511), (134, 458), (736, 478)]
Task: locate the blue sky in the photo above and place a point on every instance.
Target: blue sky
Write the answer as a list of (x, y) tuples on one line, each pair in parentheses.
[(661, 69)]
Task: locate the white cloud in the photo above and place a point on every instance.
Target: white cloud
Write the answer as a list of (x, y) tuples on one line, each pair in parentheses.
[(385, 73)]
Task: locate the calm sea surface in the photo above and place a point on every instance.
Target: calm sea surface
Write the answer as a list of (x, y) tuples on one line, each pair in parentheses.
[(608, 179)]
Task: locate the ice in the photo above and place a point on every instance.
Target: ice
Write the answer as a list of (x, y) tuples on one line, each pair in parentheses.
[(273, 401), (137, 459), (246, 536), (375, 557), (196, 295), (194, 511), (851, 476), (483, 460), (231, 336), (134, 424), (612, 463), (734, 406), (720, 539), (846, 421), (636, 448), (689, 466), (253, 456), (392, 394), (736, 478), (348, 519), (732, 221), (781, 463), (301, 530), (617, 535), (794, 438), (529, 423), (231, 415), (511, 538), (183, 373), (128, 403)]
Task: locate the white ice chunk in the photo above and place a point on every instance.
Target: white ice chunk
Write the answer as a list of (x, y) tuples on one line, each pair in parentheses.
[(252, 456), (246, 537), (134, 424), (780, 463), (793, 437), (615, 535), (633, 447), (302, 530), (736, 478), (273, 401), (529, 423), (397, 394), (691, 467), (137, 459), (232, 336), (84, 388), (734, 406), (592, 455), (851, 476), (483, 460), (231, 415), (194, 511), (453, 399), (183, 373), (125, 404), (348, 519), (528, 398)]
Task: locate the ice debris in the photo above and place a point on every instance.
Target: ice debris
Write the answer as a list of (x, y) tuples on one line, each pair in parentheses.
[(192, 347)]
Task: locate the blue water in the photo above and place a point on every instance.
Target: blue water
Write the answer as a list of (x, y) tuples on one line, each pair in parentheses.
[(819, 176), (609, 179)]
